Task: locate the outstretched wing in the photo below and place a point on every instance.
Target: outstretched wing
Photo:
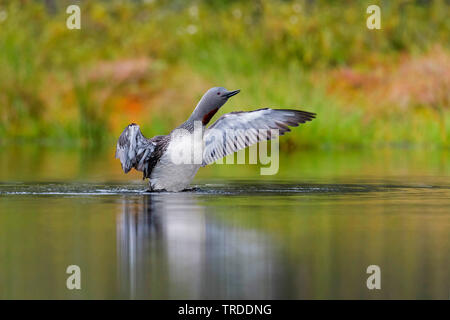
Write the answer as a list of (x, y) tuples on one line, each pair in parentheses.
[(133, 149), (237, 130)]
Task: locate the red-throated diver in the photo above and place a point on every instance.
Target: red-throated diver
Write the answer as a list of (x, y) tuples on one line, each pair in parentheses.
[(159, 157)]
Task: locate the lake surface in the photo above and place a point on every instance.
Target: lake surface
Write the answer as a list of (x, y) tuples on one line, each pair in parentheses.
[(309, 232)]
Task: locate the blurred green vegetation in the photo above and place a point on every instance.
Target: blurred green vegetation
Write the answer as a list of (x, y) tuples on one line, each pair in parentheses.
[(150, 61)]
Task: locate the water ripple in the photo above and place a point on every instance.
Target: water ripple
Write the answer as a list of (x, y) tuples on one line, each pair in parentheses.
[(231, 188)]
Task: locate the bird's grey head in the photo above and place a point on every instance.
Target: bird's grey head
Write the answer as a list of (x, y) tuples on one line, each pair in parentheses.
[(210, 103)]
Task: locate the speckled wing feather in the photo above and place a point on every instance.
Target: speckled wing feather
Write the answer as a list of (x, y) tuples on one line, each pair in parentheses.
[(134, 150), (237, 130)]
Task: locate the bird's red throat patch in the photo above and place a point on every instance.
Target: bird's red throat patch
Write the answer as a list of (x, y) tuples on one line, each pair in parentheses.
[(208, 116)]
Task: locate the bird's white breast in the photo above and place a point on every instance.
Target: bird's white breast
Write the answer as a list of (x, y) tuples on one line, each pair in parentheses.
[(179, 164)]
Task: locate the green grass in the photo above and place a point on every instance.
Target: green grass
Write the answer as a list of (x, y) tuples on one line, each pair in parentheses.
[(274, 51)]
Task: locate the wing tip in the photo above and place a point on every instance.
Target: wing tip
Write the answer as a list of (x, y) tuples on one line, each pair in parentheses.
[(300, 116), (308, 116)]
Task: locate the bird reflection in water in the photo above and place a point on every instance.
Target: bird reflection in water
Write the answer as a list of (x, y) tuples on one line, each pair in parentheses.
[(172, 246)]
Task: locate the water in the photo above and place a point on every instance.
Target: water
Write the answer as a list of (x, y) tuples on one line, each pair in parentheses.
[(309, 232)]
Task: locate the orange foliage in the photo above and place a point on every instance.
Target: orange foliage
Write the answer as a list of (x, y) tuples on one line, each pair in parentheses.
[(415, 81)]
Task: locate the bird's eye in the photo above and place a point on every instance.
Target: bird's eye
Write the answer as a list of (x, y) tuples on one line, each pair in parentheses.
[(218, 93)]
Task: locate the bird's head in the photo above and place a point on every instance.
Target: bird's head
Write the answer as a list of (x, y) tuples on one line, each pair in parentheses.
[(211, 102)]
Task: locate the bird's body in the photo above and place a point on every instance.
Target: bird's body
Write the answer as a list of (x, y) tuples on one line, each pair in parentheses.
[(171, 162), (169, 175)]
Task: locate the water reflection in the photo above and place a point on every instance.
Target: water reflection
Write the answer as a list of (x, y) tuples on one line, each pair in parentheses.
[(229, 240), (169, 246), (308, 234)]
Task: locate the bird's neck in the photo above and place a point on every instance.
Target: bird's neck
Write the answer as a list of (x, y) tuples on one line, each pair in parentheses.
[(202, 113), (203, 117), (191, 124)]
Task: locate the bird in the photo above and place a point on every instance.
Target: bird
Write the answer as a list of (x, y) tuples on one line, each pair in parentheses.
[(159, 157)]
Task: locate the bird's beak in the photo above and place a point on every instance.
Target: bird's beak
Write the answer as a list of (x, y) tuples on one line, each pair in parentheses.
[(229, 94)]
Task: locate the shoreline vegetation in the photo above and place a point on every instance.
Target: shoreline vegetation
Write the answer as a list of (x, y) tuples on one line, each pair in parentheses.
[(149, 62)]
